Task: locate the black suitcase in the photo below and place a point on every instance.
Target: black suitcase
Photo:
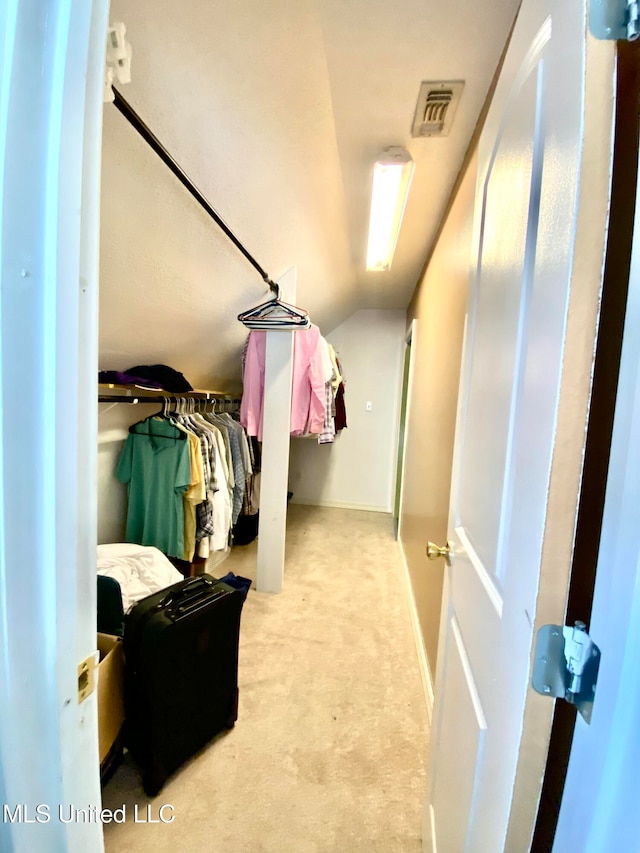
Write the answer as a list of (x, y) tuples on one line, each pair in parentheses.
[(181, 676)]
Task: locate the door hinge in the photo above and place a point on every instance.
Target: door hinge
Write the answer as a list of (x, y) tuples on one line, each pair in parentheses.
[(617, 20), (86, 678), (566, 665)]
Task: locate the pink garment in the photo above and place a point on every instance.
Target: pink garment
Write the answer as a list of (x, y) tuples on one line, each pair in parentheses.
[(307, 386), (253, 384)]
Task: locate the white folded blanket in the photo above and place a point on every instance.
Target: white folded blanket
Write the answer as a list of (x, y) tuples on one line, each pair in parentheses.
[(140, 570)]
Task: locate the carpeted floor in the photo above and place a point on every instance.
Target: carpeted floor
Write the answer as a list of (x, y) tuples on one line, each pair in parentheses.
[(328, 751)]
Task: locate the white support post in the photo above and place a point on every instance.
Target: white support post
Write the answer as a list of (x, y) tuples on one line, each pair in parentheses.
[(275, 449)]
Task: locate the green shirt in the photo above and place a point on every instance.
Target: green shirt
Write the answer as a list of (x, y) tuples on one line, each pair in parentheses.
[(157, 470)]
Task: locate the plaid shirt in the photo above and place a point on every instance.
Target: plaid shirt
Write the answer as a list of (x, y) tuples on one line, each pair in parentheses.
[(251, 497), (204, 510), (239, 473), (328, 433)]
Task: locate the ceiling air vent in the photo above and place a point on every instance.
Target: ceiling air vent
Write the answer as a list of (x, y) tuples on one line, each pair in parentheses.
[(437, 104)]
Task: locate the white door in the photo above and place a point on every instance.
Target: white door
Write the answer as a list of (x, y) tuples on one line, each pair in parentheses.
[(51, 82), (526, 212)]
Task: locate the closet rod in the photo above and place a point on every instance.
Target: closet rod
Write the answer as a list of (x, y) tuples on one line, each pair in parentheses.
[(152, 140)]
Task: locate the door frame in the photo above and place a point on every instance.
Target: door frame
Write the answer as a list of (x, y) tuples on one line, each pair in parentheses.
[(51, 89), (403, 423), (599, 798), (601, 415)]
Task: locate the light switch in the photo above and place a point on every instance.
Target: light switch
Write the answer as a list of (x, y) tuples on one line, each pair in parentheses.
[(368, 406)]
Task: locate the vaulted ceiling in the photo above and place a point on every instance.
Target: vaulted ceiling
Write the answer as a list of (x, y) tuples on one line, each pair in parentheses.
[(277, 110)]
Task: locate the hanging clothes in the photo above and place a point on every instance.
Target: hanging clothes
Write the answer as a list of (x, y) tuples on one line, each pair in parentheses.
[(213, 533), (251, 501), (327, 434), (187, 476), (155, 464), (307, 383), (219, 539), (239, 458), (204, 521), (337, 376), (245, 529), (194, 495), (341, 412)]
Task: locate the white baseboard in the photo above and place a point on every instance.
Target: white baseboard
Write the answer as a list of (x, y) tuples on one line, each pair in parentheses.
[(339, 505), (423, 665)]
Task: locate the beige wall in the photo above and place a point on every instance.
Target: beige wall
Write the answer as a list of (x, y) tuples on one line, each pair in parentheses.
[(439, 308), (358, 470), (244, 123)]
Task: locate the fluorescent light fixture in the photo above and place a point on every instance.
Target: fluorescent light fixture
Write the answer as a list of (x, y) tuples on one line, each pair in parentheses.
[(392, 175)]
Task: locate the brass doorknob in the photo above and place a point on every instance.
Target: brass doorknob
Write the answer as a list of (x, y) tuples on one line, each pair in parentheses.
[(435, 551)]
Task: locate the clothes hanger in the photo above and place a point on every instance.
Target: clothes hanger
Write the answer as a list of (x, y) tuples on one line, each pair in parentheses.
[(274, 307), (275, 314), (180, 436), (171, 414)]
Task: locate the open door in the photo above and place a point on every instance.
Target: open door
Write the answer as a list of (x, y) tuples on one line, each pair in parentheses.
[(599, 809), (514, 431)]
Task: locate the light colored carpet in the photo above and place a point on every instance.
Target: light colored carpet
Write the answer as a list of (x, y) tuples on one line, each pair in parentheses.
[(329, 748)]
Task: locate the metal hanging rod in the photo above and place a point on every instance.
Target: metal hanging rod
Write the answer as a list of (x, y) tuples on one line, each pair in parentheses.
[(152, 140)]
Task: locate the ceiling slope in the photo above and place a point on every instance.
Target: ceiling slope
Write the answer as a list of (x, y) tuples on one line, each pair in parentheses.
[(276, 110)]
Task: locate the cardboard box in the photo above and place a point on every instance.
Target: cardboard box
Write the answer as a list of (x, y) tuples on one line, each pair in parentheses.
[(110, 692)]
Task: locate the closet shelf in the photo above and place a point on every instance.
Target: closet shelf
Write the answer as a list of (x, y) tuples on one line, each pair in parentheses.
[(113, 393)]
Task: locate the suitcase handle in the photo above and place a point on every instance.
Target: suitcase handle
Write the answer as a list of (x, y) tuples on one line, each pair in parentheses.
[(186, 590), (192, 605)]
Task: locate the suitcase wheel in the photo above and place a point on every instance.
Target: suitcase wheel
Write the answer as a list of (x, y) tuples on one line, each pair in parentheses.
[(153, 779), (233, 712)]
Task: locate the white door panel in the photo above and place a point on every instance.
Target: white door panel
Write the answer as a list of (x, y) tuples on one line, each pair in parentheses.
[(496, 319), (460, 747), (526, 204)]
